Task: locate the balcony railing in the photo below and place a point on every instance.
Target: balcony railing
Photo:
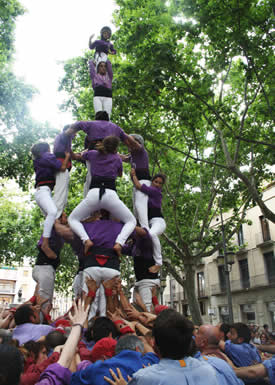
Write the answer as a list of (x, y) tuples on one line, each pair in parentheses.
[(253, 282)]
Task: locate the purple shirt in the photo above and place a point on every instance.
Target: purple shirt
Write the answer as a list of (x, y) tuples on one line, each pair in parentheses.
[(62, 143), (104, 232), (101, 80), (106, 165), (46, 166), (139, 159), (55, 374), (155, 195), (103, 46), (99, 129), (30, 332)]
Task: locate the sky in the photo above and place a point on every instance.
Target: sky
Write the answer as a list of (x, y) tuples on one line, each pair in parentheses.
[(50, 32)]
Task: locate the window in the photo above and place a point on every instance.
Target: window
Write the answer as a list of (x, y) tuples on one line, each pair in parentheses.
[(222, 278), (265, 229), (202, 308), (270, 266), (240, 236), (201, 284), (244, 273)]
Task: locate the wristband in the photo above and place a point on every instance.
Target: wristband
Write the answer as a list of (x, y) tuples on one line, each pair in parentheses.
[(78, 325), (155, 300), (108, 292), (91, 294), (119, 322), (126, 329), (33, 299)]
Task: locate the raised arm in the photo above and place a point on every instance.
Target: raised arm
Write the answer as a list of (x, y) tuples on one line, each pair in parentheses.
[(135, 180), (109, 69), (91, 41), (65, 162), (92, 69)]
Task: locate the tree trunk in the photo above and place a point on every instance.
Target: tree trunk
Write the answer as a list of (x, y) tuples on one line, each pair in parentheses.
[(189, 269)]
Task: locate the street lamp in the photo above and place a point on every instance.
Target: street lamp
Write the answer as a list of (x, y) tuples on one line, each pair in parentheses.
[(162, 287), (227, 260)]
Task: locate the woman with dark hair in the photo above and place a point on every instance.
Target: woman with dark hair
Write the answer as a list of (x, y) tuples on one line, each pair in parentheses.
[(11, 365)]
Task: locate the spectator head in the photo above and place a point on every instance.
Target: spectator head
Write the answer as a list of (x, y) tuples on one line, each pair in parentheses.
[(102, 115), (239, 333), (5, 336), (173, 335), (103, 349), (265, 326), (207, 335), (224, 330), (37, 350), (103, 327), (11, 365), (264, 338), (26, 314), (54, 339), (129, 342)]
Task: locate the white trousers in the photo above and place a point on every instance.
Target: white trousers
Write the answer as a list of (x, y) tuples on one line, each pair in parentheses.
[(99, 274), (140, 204), (61, 190), (100, 56), (102, 103), (144, 288), (77, 284), (43, 197), (156, 227), (110, 202), (88, 179), (44, 275)]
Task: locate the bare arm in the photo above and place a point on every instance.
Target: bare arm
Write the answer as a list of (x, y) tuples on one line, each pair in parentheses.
[(91, 41), (132, 143), (65, 162), (64, 231), (253, 371), (266, 348), (78, 320), (135, 179)]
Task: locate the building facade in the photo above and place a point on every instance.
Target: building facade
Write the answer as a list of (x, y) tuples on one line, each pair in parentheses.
[(252, 275)]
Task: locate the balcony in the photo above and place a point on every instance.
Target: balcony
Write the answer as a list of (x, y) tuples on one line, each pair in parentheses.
[(254, 282), (7, 290), (263, 240)]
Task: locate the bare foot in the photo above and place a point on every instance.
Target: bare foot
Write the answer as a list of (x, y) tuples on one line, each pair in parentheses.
[(154, 269), (117, 247), (87, 245), (48, 251)]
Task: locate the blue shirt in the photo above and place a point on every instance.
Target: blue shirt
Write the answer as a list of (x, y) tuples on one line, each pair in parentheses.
[(270, 367), (224, 372), (128, 361), (172, 372), (242, 354)]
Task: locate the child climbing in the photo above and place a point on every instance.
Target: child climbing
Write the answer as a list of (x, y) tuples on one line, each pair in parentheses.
[(102, 47), (45, 166), (157, 223)]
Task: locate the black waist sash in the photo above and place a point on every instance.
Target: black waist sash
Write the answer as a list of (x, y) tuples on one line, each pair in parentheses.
[(103, 91), (143, 173), (154, 212), (101, 257), (47, 181), (102, 183)]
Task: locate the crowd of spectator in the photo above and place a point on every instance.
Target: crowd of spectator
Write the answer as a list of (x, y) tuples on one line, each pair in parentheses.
[(129, 346)]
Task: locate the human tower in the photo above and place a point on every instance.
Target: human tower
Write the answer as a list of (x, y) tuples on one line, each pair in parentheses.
[(100, 227)]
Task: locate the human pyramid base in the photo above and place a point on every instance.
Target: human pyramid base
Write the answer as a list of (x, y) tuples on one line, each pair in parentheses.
[(105, 339)]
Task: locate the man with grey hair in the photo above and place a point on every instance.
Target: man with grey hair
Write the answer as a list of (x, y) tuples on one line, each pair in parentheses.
[(129, 358)]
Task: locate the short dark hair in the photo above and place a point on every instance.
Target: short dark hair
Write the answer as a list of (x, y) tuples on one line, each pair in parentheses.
[(23, 314), (242, 330), (102, 327), (225, 328), (159, 175), (11, 365), (173, 335), (39, 148), (102, 115), (35, 347), (54, 339)]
